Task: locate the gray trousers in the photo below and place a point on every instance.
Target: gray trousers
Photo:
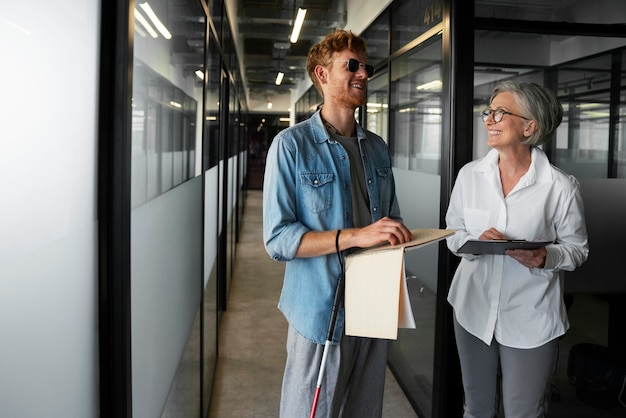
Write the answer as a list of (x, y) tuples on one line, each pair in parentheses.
[(354, 378), (525, 373)]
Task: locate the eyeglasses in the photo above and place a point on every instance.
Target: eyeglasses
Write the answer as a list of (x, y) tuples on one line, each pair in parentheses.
[(353, 66), (497, 114)]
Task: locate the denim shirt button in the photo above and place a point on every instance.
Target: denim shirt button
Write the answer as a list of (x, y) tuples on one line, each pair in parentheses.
[(374, 209), (369, 181)]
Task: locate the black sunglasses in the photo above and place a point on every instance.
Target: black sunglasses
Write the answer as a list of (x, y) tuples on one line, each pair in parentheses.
[(353, 66)]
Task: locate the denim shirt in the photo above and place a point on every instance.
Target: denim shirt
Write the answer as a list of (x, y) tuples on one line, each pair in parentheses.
[(307, 188)]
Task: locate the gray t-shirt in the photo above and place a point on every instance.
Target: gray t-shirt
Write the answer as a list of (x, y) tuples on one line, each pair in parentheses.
[(361, 215)]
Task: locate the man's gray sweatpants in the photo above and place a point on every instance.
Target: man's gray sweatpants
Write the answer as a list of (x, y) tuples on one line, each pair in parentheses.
[(354, 380)]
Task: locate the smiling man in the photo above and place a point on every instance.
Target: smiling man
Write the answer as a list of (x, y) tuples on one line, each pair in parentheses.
[(328, 189)]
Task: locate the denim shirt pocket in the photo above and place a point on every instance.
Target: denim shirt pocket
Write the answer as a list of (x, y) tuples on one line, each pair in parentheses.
[(317, 191), (384, 175)]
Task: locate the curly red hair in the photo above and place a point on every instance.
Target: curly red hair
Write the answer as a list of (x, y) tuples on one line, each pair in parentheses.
[(322, 52)]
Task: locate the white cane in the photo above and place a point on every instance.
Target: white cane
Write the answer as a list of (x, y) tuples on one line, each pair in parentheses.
[(331, 328)]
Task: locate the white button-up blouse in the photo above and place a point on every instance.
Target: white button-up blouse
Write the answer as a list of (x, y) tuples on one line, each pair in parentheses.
[(494, 296)]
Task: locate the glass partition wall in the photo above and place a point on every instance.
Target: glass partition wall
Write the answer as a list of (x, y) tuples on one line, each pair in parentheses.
[(166, 217), (415, 112), (181, 148), (405, 107), (211, 160)]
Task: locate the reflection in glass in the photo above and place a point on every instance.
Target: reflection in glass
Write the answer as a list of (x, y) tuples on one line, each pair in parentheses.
[(575, 11), (582, 141), (620, 134), (163, 135), (377, 37), (378, 105), (583, 84), (166, 217), (210, 167), (411, 18), (415, 107)]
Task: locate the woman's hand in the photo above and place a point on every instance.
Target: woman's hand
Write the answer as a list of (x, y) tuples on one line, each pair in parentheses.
[(535, 258), (491, 234)]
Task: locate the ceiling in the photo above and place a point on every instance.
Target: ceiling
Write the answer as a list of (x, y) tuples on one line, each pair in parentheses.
[(264, 28), (263, 31)]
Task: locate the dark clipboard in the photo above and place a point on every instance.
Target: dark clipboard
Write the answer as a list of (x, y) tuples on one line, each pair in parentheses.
[(476, 247)]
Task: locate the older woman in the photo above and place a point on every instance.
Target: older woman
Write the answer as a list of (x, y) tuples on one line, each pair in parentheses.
[(509, 309)]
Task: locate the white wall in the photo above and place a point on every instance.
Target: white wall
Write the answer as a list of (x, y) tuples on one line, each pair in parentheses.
[(48, 225), (361, 13)]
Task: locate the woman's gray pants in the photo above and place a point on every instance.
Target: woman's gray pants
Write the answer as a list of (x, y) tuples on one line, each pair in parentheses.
[(526, 376)]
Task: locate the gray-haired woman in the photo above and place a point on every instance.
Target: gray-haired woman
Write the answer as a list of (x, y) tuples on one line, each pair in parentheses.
[(509, 309)]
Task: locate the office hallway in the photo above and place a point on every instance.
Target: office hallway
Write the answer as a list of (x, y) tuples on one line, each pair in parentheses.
[(253, 332)]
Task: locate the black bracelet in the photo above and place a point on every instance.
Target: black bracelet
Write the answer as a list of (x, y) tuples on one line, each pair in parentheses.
[(339, 252)]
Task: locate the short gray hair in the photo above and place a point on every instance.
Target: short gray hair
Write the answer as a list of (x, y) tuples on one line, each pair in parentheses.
[(536, 103)]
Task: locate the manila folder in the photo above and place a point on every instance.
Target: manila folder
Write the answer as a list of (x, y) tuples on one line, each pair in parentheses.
[(376, 295), (376, 298)]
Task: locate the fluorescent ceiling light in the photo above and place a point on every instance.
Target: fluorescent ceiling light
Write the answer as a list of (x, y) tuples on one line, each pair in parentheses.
[(145, 24), (596, 114), (377, 105), (588, 105), (175, 104), (200, 74), (155, 20), (433, 85), (279, 78), (297, 26), (269, 105), (284, 119)]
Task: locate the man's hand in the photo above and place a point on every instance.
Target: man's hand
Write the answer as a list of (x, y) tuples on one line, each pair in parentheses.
[(383, 230), (316, 243)]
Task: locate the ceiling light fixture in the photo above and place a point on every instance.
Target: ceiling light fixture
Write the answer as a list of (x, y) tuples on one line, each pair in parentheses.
[(432, 85), (297, 26), (200, 74), (279, 78), (141, 19), (155, 20), (269, 105)]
